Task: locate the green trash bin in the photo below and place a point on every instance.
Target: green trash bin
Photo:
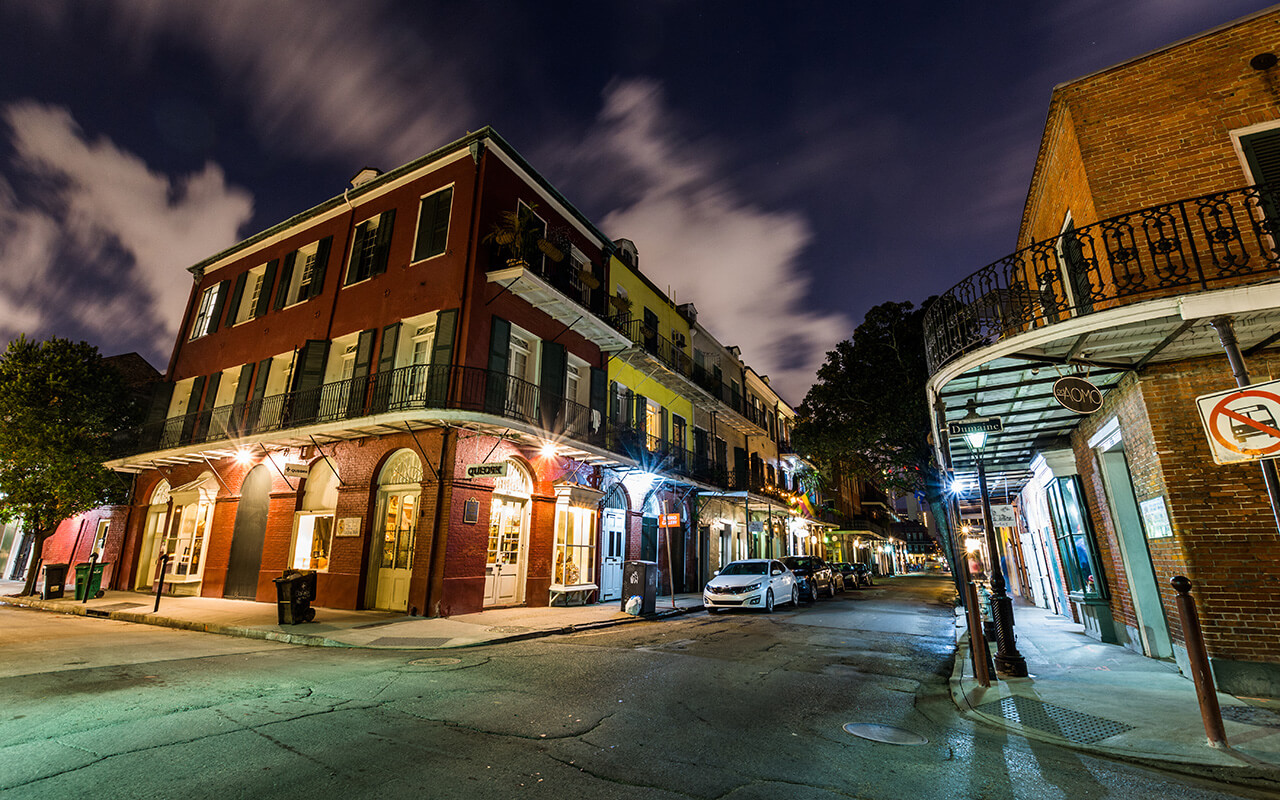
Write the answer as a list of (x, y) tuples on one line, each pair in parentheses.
[(94, 581)]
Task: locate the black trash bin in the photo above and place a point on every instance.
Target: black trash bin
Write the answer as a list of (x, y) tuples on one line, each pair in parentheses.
[(640, 579), (294, 592), (94, 581), (55, 581)]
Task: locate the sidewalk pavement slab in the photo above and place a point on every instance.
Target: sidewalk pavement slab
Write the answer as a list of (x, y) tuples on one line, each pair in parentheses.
[(345, 628), (1108, 700)]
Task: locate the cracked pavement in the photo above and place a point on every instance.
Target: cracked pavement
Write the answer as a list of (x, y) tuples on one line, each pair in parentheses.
[(735, 706)]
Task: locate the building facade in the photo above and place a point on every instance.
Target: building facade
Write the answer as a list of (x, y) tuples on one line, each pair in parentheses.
[(1147, 259)]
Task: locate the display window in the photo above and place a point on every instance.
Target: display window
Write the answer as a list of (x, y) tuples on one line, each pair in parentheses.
[(1077, 547), (314, 523)]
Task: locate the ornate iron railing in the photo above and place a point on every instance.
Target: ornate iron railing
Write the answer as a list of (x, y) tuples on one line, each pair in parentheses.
[(1202, 243)]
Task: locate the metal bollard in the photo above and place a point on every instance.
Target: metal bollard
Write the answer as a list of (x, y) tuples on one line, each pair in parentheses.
[(1200, 672), (164, 566)]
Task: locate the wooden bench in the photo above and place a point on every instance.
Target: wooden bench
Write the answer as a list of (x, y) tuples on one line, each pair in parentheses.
[(576, 594)]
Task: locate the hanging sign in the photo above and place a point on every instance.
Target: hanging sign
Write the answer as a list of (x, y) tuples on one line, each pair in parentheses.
[(668, 520), (296, 470), (496, 469), (1242, 424), (984, 424), (1003, 517), (1077, 394)]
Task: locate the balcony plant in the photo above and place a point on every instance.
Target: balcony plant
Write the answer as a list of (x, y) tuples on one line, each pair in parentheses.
[(516, 233)]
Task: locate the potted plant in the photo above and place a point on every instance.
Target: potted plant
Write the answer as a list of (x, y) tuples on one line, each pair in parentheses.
[(621, 304), (587, 278), (516, 233)]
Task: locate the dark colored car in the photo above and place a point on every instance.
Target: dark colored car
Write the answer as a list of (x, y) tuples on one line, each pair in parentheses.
[(813, 575), (847, 572), (863, 575)]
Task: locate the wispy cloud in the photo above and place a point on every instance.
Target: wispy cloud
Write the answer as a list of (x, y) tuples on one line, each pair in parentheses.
[(736, 261), (121, 233)]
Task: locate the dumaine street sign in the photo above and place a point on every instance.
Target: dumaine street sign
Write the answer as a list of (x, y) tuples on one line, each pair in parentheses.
[(987, 424)]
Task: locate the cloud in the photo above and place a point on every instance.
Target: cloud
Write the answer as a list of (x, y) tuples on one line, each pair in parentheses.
[(120, 231), (736, 261), (319, 79)]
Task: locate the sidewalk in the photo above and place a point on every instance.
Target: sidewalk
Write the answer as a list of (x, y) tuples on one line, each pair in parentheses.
[(1105, 699), (340, 628)]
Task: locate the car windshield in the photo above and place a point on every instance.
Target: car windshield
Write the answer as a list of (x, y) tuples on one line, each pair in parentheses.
[(801, 562), (744, 568)]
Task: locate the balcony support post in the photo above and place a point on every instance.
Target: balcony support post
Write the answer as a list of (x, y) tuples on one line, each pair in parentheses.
[(1008, 660), (1227, 335)]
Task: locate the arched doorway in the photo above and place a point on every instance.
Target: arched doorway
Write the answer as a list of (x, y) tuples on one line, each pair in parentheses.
[(613, 540), (186, 533), (508, 537), (152, 535), (245, 562), (396, 524)]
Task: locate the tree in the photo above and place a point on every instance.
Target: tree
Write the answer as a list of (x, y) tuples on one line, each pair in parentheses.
[(868, 411), (61, 406)]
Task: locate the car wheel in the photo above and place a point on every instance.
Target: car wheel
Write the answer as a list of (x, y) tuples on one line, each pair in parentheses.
[(813, 593), (712, 610), (795, 596), (768, 601)]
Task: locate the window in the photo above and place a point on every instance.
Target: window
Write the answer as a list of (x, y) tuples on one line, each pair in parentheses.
[(313, 533), (210, 309), (299, 278), (433, 225), (572, 382), (678, 432), (653, 424), (100, 537), (1076, 547), (575, 548), (248, 306), (370, 248), (1262, 154)]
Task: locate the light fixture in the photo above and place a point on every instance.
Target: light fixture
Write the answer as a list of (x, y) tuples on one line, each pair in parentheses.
[(243, 457), (548, 450), (977, 437), (972, 545)]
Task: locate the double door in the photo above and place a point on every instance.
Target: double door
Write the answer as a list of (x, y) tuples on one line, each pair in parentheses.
[(502, 584), (612, 535)]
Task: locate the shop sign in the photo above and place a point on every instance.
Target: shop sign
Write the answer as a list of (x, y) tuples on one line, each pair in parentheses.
[(296, 470), (1242, 424), (1077, 394), (349, 526), (1155, 518), (1003, 517), (668, 520), (496, 469)]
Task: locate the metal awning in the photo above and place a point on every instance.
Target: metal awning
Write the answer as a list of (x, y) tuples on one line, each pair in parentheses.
[(534, 289)]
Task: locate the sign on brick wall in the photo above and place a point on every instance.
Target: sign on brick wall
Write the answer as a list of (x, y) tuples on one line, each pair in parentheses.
[(1242, 424)]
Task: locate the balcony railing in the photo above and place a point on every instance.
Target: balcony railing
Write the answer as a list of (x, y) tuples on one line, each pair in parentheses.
[(1203, 243), (655, 344), (580, 283)]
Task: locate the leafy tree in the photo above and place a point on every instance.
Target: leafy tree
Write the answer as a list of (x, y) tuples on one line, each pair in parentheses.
[(61, 406)]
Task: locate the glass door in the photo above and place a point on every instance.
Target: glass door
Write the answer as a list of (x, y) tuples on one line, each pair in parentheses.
[(506, 544), (399, 516), (611, 567)]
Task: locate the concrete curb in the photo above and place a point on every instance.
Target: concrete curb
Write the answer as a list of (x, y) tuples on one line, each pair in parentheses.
[(311, 640)]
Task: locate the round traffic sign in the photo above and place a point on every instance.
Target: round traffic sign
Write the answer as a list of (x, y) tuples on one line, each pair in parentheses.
[(1253, 427)]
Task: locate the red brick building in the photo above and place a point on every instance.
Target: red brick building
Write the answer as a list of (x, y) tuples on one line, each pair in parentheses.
[(1145, 239)]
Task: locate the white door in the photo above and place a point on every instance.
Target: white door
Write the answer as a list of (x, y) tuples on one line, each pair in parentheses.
[(611, 532), (396, 565), (506, 552)]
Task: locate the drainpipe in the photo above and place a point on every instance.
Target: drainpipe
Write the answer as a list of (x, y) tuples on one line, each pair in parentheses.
[(1227, 335), (439, 534)]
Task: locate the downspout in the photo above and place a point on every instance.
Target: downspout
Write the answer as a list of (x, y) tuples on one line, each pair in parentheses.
[(461, 335), (439, 536)]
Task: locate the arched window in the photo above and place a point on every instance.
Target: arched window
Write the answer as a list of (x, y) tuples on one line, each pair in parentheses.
[(313, 525)]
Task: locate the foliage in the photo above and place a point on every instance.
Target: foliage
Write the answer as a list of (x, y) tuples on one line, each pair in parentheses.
[(868, 412), (516, 233), (61, 406)]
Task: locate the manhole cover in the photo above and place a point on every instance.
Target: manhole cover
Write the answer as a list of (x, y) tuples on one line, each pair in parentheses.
[(884, 733), (435, 662)]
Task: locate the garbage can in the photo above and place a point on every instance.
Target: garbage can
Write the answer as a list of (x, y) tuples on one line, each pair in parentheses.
[(55, 578), (640, 579), (94, 580), (294, 592)]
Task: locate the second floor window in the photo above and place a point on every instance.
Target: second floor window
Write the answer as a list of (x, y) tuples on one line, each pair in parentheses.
[(371, 247), (433, 225), (209, 310)]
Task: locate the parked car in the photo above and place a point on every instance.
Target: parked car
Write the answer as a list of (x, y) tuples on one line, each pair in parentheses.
[(847, 572), (813, 575), (752, 583), (863, 575)]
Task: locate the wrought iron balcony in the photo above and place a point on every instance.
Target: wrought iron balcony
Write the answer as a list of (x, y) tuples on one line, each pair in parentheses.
[(655, 344), (1203, 243)]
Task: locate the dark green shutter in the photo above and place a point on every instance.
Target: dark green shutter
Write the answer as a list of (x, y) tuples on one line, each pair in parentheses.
[(662, 423), (599, 399), (382, 249), (308, 380), (219, 302), (354, 272), (433, 225), (268, 283), (615, 405), (1262, 152), (259, 392), (316, 286), (739, 468), (442, 357), (193, 410), (384, 378), (360, 373), (551, 375), (286, 277), (639, 412), (495, 396), (236, 295), (157, 413), (244, 383), (206, 407)]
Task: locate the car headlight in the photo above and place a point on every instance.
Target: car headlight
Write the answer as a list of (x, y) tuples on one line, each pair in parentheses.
[(751, 588)]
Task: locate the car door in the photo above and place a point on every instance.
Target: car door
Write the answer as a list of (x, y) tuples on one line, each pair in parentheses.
[(781, 583)]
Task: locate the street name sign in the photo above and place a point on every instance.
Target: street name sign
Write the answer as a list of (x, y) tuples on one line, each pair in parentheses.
[(1242, 424), (986, 424)]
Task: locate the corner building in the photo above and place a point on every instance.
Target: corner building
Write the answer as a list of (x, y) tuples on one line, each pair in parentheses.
[(1147, 242), (408, 390)]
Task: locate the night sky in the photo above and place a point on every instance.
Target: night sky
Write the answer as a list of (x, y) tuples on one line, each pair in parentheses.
[(785, 166)]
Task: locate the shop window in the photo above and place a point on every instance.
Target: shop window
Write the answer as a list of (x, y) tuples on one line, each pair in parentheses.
[(184, 542), (313, 528), (574, 558), (1077, 547)]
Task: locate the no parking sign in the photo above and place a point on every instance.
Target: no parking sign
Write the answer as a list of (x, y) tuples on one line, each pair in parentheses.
[(1242, 424)]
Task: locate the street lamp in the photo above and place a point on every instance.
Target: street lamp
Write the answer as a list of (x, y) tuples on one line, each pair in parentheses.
[(1008, 659)]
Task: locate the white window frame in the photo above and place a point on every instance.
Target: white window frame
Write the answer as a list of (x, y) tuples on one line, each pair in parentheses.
[(303, 267), (249, 298), (417, 228), (204, 315)]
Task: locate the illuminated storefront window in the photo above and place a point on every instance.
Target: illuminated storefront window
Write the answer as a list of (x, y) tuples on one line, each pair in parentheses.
[(313, 525)]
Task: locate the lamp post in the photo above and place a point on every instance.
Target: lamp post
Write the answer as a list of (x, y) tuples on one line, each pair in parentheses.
[(1008, 659)]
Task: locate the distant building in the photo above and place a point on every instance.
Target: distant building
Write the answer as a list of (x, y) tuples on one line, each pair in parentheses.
[(1148, 234)]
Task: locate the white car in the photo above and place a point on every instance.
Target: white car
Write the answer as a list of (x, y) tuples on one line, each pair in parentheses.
[(752, 583)]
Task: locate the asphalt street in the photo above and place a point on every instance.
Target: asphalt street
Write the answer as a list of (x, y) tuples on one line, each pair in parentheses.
[(736, 706)]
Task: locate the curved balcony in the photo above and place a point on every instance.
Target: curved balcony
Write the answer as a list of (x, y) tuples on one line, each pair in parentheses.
[(1215, 241)]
